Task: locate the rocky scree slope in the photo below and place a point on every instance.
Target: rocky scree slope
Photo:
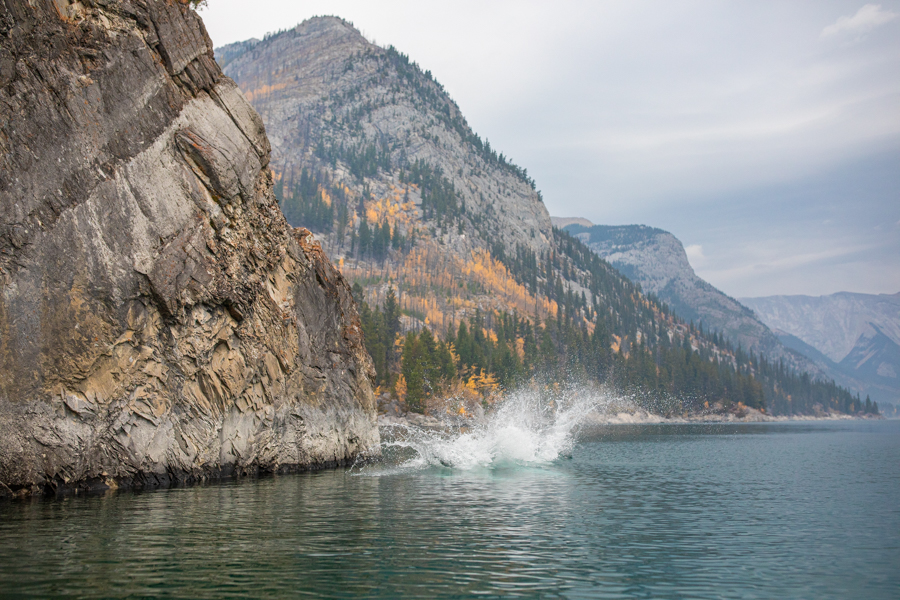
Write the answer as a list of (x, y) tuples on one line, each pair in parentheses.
[(159, 319)]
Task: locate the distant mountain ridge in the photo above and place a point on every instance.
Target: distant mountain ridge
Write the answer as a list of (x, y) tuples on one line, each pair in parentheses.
[(830, 323), (656, 260), (857, 333), (563, 222)]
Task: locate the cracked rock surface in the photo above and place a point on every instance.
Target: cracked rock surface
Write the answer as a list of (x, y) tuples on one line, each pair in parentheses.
[(159, 320)]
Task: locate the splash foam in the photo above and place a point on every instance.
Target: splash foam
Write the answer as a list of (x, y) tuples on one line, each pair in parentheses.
[(531, 427)]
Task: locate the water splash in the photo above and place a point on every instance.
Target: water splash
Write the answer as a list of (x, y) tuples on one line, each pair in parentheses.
[(531, 427)]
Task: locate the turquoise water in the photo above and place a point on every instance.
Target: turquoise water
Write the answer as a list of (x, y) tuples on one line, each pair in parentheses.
[(786, 510)]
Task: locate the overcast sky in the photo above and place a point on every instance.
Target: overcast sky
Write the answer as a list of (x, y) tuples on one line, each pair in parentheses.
[(764, 135)]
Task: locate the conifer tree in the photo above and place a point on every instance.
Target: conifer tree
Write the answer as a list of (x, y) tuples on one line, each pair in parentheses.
[(365, 237), (413, 372)]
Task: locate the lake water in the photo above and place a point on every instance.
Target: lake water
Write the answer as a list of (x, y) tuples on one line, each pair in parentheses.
[(786, 510)]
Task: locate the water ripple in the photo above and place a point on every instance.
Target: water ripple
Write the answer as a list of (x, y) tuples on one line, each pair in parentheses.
[(655, 511)]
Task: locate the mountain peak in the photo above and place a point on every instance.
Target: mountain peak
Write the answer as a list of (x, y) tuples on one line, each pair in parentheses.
[(647, 255), (329, 27), (563, 222), (327, 30), (363, 117)]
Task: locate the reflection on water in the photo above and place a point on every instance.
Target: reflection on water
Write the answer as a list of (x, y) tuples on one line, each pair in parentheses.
[(675, 511)]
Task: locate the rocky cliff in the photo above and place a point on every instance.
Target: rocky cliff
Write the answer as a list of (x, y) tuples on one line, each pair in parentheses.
[(159, 319)]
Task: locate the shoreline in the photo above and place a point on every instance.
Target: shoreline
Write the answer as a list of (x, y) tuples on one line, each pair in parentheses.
[(637, 417)]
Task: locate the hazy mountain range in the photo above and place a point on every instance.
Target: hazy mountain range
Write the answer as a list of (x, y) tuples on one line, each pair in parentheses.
[(855, 334), (657, 261), (851, 338)]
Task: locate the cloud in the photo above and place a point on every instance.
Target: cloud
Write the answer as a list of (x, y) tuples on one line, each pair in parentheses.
[(865, 20), (695, 255), (800, 265)]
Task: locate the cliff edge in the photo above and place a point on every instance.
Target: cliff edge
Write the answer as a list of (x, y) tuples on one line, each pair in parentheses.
[(159, 319)]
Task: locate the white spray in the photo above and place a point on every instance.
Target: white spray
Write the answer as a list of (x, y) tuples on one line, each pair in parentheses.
[(530, 427)]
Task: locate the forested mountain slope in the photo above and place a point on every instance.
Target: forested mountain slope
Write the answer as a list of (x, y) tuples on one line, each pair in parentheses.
[(656, 260), (372, 155)]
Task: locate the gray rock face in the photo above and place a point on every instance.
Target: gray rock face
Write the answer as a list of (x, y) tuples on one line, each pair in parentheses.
[(874, 355), (159, 320)]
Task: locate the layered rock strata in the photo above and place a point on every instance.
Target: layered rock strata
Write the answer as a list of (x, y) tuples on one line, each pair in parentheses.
[(159, 320)]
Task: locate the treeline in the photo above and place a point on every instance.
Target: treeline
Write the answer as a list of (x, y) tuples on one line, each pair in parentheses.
[(617, 304), (793, 393), (510, 351), (430, 92), (304, 204), (377, 240), (619, 336), (381, 327), (605, 296), (425, 88), (362, 159), (666, 377), (427, 366)]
